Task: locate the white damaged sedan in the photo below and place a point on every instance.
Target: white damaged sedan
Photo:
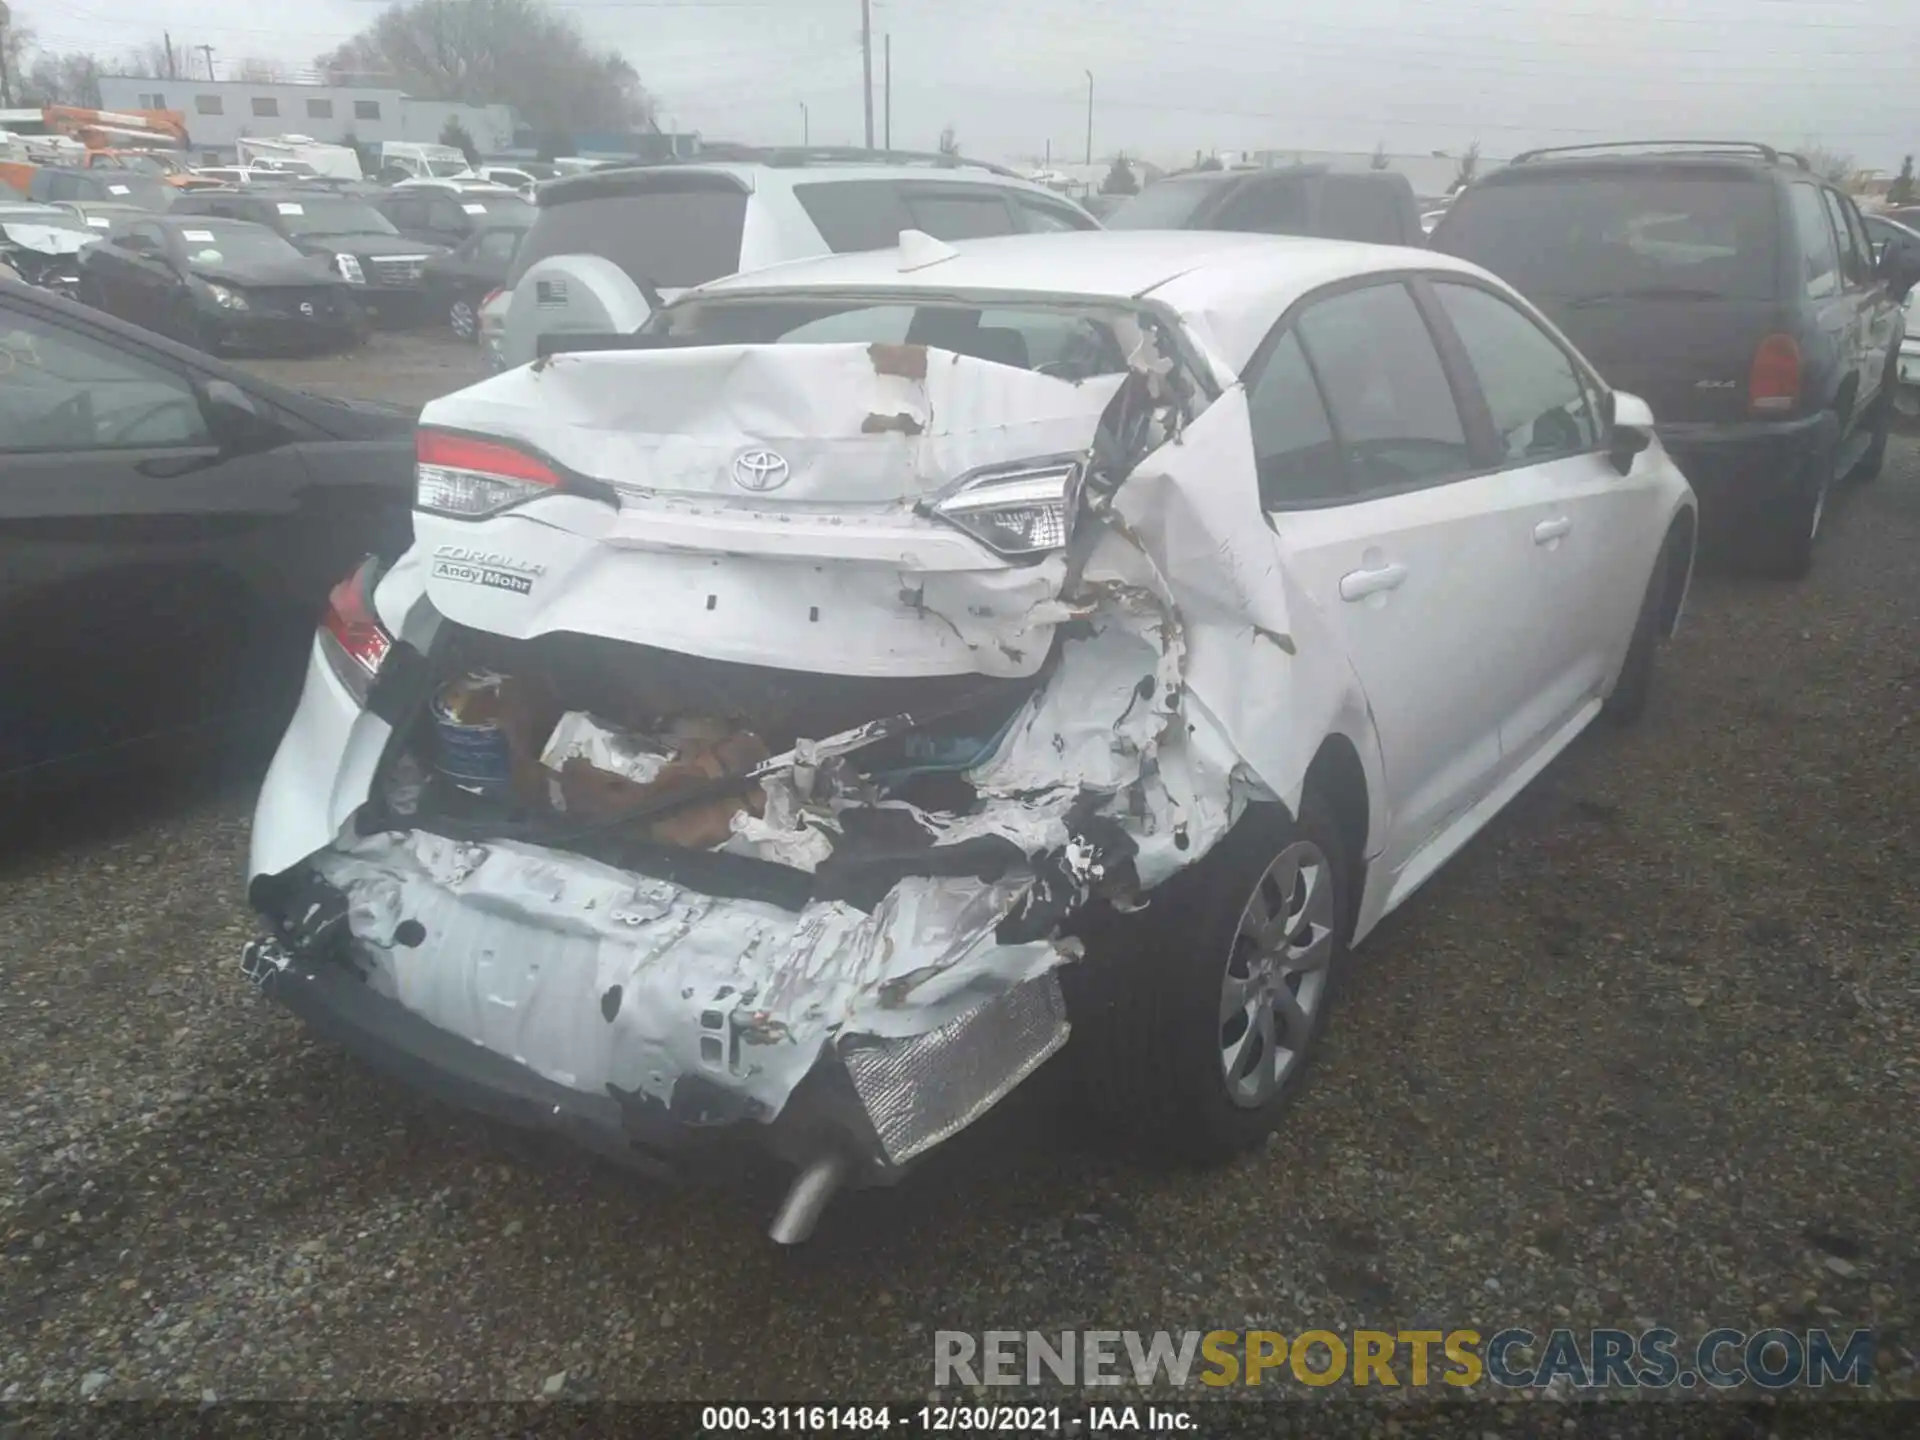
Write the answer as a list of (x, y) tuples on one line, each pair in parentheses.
[(789, 724)]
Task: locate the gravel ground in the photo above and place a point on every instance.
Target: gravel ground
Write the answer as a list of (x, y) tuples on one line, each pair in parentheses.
[(404, 367), (1649, 1050)]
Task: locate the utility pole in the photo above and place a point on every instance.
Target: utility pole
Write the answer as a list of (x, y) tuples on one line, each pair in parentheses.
[(806, 125), (172, 74), (6, 85), (1089, 117), (866, 63), (207, 50), (887, 48)]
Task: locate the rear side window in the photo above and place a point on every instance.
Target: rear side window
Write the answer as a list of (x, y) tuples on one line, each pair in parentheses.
[(1353, 207), (671, 239), (1539, 405), (1573, 237), (1819, 261), (1266, 207), (1392, 408), (1294, 451), (1853, 259)]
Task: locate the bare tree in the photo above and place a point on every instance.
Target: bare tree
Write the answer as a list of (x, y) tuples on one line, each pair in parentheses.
[(1830, 165), (260, 72), (457, 135), (72, 79), (1468, 169), (522, 53)]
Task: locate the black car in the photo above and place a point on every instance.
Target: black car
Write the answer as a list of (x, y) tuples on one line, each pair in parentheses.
[(451, 212), (169, 528), (459, 282), (364, 249), (1376, 206), (214, 284), (1733, 289), (119, 187)]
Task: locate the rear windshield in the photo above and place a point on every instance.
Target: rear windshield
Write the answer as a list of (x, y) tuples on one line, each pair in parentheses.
[(1582, 237), (1072, 342), (670, 239), (1167, 205)]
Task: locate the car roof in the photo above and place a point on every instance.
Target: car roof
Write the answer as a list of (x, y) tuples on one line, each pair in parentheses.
[(1118, 264), (753, 175)]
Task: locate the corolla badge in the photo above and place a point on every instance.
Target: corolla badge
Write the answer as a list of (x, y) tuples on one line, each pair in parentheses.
[(760, 470)]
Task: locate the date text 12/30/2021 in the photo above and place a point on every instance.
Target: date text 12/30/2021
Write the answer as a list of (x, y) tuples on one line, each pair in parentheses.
[(1086, 1420)]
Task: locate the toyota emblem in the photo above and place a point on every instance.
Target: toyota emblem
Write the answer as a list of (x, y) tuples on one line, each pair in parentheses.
[(760, 470)]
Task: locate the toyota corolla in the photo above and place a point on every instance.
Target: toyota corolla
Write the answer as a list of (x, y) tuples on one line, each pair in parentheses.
[(791, 725)]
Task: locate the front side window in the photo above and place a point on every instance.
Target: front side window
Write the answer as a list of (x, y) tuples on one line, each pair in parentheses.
[(1392, 409), (64, 391), (1819, 259), (1294, 451), (499, 245), (1539, 405)]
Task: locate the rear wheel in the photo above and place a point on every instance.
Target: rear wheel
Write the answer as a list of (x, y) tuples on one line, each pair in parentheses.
[(1629, 698), (1788, 530), (1195, 1021), (1881, 422)]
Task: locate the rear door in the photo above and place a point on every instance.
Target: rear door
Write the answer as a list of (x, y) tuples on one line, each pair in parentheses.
[(142, 566), (1836, 322), (1584, 533), (1417, 559)]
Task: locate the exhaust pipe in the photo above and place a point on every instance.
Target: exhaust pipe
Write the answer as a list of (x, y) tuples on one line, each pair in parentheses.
[(806, 1199)]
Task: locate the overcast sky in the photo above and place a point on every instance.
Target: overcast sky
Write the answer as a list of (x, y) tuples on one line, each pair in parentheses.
[(1170, 78)]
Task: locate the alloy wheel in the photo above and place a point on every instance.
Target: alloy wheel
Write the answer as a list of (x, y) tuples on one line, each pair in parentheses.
[(1277, 975), (461, 317)]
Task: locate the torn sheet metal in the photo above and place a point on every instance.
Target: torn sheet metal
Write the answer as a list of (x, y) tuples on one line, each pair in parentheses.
[(848, 424), (595, 978), (767, 517)]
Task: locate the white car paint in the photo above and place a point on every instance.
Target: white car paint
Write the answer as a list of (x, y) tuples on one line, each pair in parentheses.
[(1456, 635)]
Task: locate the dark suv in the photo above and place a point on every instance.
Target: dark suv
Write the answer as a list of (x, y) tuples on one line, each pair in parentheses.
[(1734, 290), (359, 244), (1376, 206)]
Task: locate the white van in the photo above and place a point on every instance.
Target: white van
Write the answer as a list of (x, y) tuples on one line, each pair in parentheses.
[(409, 159)]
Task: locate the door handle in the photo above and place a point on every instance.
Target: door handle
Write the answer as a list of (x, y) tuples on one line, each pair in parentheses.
[(1358, 584), (1548, 531)]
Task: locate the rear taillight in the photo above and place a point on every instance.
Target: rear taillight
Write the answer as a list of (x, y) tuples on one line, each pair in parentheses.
[(1774, 382), (351, 635), (467, 478)]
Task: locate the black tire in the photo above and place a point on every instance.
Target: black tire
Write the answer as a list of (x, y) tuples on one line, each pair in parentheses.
[(1875, 460), (1789, 529), (1148, 1002), (1628, 702)]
